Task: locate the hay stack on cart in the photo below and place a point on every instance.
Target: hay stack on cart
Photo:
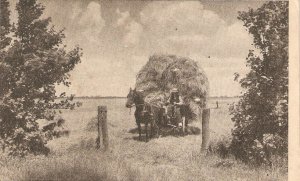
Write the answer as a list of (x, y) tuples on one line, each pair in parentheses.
[(165, 72)]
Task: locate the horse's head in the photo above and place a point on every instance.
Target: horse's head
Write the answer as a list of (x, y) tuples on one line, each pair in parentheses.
[(131, 98), (134, 97)]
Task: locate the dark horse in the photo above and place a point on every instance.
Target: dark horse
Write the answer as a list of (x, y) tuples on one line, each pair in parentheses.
[(144, 112)]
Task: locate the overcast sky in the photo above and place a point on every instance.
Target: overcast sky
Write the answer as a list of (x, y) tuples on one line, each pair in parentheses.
[(118, 37)]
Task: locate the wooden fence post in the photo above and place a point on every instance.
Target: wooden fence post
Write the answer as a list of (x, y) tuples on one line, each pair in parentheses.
[(205, 129), (102, 114), (98, 129), (200, 115)]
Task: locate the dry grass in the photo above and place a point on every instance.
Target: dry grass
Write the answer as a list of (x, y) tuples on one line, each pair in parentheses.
[(166, 158), (163, 72)]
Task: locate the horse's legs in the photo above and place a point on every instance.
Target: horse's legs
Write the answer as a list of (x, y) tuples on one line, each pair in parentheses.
[(140, 130), (154, 128), (146, 129), (151, 129), (183, 125)]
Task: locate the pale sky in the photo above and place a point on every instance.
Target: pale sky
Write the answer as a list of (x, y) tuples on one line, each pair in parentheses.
[(117, 38)]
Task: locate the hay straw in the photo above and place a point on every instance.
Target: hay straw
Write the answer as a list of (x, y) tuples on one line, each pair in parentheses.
[(164, 72)]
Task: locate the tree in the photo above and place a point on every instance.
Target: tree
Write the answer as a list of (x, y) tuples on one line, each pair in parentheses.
[(261, 116), (4, 24), (4, 38), (31, 66)]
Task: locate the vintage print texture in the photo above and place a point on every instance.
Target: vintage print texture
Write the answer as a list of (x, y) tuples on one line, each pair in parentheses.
[(143, 90)]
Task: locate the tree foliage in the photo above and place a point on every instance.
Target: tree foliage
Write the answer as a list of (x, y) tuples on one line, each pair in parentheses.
[(30, 68), (4, 24), (261, 116)]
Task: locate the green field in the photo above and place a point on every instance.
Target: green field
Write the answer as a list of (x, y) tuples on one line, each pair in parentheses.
[(165, 158)]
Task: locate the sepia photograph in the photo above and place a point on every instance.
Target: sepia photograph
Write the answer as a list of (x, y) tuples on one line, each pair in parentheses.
[(145, 90)]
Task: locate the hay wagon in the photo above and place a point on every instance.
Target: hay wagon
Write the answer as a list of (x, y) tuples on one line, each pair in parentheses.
[(161, 74), (171, 119), (174, 119)]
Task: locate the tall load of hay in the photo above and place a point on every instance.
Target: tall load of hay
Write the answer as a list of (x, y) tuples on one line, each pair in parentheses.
[(165, 72)]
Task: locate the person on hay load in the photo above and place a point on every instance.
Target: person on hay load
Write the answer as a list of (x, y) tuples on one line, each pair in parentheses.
[(173, 102)]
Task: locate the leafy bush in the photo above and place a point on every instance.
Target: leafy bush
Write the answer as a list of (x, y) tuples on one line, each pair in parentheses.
[(261, 115), (30, 68), (221, 147)]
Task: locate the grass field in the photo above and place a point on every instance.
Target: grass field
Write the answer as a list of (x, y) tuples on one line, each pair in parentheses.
[(164, 158)]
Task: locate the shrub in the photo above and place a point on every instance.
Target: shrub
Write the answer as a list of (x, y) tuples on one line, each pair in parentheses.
[(261, 115)]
